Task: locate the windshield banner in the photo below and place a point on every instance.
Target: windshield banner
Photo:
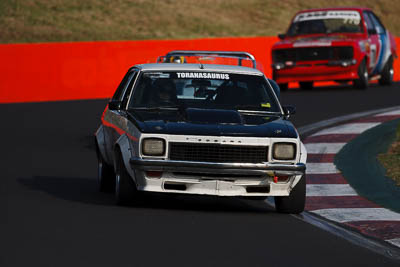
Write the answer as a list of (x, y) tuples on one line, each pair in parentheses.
[(339, 14), (202, 75)]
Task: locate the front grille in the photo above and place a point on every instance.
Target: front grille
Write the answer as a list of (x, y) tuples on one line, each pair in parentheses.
[(217, 153), (312, 53)]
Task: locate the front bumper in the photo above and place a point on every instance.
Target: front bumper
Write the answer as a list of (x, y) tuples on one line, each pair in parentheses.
[(224, 179), (306, 71), (221, 168)]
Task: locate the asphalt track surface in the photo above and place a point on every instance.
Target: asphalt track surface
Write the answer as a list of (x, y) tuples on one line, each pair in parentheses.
[(51, 213)]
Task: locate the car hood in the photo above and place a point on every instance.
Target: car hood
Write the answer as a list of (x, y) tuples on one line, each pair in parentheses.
[(211, 123), (319, 40)]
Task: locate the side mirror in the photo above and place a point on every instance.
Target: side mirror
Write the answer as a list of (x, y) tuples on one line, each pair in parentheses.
[(372, 31), (114, 105), (289, 110), (281, 36)]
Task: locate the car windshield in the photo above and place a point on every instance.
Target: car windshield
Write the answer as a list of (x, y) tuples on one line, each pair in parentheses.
[(208, 90), (325, 22)]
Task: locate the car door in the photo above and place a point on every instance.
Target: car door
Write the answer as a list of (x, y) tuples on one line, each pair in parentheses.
[(383, 51), (373, 42), (115, 118)]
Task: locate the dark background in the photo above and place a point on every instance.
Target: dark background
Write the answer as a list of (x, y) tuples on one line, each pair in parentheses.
[(51, 213)]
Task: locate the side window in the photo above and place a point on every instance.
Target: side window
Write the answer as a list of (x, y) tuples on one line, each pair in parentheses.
[(368, 21), (122, 86), (129, 89), (378, 24)]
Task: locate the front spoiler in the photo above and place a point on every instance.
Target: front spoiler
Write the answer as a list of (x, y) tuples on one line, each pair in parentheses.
[(315, 73), (271, 169)]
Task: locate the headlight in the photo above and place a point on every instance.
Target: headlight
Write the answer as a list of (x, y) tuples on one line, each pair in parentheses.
[(153, 147), (363, 46), (284, 151)]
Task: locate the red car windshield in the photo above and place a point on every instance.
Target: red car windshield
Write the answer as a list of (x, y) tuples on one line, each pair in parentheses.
[(325, 22)]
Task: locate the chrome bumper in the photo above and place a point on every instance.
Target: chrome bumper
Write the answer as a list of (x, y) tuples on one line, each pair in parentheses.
[(218, 168)]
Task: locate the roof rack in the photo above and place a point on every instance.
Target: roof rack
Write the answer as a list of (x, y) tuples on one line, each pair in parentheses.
[(228, 54)]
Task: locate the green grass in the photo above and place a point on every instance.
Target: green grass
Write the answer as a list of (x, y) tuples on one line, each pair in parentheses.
[(391, 160), (89, 20)]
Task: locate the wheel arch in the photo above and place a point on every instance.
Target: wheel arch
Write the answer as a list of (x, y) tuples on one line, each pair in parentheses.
[(122, 151), (365, 59), (99, 139), (389, 57)]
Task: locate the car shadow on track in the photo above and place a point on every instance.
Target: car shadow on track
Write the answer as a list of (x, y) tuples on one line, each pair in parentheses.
[(88, 142), (73, 189), (84, 190)]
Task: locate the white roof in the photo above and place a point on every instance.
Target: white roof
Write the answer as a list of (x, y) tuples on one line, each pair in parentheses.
[(198, 67)]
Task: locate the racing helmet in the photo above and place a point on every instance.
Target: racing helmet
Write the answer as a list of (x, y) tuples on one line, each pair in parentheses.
[(177, 59)]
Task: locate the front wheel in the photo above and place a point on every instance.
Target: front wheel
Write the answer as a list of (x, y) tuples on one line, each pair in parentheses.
[(295, 202), (105, 174), (125, 188), (387, 73), (362, 81)]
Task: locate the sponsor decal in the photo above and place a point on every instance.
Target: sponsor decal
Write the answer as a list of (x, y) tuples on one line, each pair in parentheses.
[(372, 55), (347, 15), (202, 75), (265, 105)]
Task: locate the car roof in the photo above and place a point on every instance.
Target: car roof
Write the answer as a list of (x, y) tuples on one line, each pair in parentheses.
[(360, 9), (198, 68)]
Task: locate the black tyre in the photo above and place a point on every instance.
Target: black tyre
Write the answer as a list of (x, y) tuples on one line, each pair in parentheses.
[(283, 86), (362, 81), (125, 188), (306, 85), (387, 73), (295, 202), (105, 174)]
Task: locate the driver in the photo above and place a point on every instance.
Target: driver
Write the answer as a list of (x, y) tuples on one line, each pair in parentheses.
[(165, 91), (201, 87)]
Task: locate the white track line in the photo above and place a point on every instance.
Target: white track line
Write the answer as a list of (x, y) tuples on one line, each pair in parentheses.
[(321, 168), (330, 190), (358, 214), (324, 148), (395, 241), (394, 112), (350, 128)]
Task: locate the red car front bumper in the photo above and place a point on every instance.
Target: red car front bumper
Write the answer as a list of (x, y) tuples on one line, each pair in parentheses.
[(315, 72), (306, 72)]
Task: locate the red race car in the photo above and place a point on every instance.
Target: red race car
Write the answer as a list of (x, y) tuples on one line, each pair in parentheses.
[(334, 44)]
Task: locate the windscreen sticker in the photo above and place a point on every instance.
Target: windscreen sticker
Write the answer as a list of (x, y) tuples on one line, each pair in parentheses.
[(338, 14), (203, 75), (265, 105), (157, 75)]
